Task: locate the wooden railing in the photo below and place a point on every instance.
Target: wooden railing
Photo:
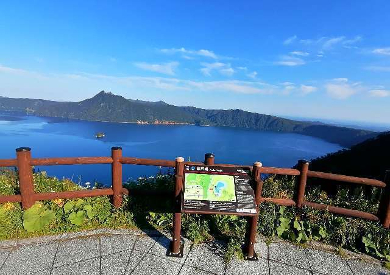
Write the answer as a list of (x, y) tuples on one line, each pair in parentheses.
[(28, 197)]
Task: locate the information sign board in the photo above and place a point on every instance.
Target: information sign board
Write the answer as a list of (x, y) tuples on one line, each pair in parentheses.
[(217, 189)]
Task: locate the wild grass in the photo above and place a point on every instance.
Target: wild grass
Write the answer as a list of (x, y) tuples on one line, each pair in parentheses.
[(296, 225)]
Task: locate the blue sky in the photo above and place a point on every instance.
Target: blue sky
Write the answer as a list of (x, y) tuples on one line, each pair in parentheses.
[(318, 59)]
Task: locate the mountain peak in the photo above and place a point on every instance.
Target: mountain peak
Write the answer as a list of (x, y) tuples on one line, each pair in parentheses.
[(103, 93)]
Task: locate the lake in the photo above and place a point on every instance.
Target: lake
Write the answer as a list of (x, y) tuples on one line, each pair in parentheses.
[(52, 137)]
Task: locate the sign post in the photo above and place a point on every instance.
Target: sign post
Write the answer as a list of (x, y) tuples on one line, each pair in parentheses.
[(250, 254), (176, 249), (216, 189)]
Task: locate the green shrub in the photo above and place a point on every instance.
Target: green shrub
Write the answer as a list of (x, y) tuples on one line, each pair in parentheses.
[(56, 216), (296, 225)]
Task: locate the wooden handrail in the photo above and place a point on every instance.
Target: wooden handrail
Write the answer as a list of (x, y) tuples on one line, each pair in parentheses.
[(73, 194), (8, 162), (280, 171), (152, 162), (342, 211), (10, 198), (285, 202), (24, 163), (70, 161), (349, 179)]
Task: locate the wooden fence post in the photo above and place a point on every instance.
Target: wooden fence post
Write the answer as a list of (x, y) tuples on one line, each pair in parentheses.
[(300, 197), (209, 159), (176, 248), (116, 174), (251, 235), (26, 185), (384, 206)]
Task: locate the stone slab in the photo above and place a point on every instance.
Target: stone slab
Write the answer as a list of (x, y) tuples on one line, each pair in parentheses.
[(153, 265), (30, 259), (116, 243), (279, 268), (289, 254), (77, 250), (327, 263), (87, 267), (208, 257), (241, 267)]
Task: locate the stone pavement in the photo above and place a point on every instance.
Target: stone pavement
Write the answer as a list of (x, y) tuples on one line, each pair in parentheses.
[(136, 252)]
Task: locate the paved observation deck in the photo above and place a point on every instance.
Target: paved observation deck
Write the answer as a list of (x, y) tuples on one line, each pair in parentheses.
[(138, 252)]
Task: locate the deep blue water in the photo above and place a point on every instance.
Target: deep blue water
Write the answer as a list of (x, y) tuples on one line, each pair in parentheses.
[(218, 187), (50, 137)]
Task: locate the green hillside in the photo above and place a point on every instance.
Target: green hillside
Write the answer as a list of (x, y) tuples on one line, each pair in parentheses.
[(113, 108), (370, 158)]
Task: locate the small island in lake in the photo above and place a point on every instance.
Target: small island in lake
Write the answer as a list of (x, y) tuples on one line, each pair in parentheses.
[(100, 135)]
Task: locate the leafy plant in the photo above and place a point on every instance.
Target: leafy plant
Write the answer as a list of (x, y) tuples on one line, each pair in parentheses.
[(37, 217), (290, 223), (77, 218), (370, 246), (79, 211)]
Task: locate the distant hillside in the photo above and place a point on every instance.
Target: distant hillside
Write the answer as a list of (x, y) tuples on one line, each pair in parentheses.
[(370, 158), (108, 107)]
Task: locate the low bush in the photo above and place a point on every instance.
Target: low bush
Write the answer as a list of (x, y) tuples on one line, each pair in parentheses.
[(296, 225), (55, 216)]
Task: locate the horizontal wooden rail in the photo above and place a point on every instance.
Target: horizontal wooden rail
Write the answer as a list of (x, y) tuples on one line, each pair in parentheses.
[(349, 179), (10, 198), (70, 161), (285, 202), (153, 162), (342, 211), (280, 171), (73, 194), (8, 162), (27, 195)]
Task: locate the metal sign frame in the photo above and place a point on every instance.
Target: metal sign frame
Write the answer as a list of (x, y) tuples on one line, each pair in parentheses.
[(244, 196), (176, 246)]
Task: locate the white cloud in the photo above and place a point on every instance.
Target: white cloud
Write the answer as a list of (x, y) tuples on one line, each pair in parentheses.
[(339, 91), (299, 53), (165, 68), (206, 53), (242, 68), (383, 51), (379, 93), (305, 89), (290, 40), (353, 40), (186, 53), (222, 68), (236, 86), (288, 89), (327, 43), (286, 83), (378, 68), (340, 88), (227, 71), (340, 79), (24, 83), (290, 61), (252, 75), (4, 69)]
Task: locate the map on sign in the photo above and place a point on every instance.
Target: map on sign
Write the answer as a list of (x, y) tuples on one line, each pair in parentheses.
[(218, 189), (210, 187)]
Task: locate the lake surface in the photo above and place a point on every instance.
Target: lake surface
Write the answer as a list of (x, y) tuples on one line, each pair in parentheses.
[(50, 137)]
